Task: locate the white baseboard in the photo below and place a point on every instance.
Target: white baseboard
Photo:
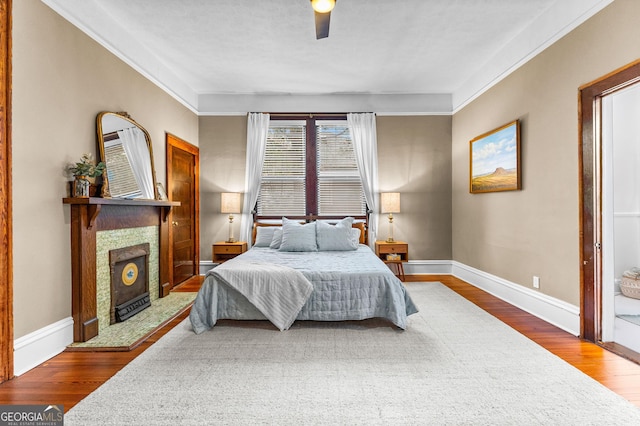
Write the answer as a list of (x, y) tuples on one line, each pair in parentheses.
[(428, 267), (205, 266), (554, 311), (35, 348), (561, 314)]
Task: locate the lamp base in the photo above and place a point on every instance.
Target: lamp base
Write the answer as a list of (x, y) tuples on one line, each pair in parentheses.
[(231, 238), (390, 235)]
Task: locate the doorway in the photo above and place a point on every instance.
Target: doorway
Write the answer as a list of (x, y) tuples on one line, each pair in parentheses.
[(183, 176), (620, 215), (609, 214)]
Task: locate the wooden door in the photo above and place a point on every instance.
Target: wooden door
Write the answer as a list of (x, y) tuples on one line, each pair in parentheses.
[(183, 163)]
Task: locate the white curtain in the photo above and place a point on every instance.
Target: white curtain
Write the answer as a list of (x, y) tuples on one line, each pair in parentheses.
[(135, 146), (257, 129), (365, 144)]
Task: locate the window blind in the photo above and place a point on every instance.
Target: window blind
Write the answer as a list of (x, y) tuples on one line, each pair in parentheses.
[(282, 189), (339, 186)]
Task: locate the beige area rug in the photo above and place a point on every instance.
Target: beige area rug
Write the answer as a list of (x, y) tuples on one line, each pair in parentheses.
[(125, 336), (454, 365)]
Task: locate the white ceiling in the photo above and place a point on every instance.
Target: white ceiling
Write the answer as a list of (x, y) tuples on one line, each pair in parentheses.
[(387, 56)]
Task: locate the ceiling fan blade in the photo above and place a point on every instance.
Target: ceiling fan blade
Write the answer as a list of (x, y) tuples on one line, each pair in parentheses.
[(322, 24)]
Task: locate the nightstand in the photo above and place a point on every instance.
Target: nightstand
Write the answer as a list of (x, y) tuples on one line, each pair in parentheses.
[(224, 251), (393, 254)]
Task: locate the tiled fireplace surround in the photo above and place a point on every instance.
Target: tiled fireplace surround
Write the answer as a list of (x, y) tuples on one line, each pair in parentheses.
[(102, 224), (115, 239)]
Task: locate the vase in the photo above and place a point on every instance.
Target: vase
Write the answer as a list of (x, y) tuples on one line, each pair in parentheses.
[(81, 187)]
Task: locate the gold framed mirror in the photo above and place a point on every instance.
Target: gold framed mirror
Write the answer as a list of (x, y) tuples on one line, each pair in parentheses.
[(125, 148)]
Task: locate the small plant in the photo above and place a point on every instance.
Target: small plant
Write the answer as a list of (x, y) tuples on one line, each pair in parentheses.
[(87, 167)]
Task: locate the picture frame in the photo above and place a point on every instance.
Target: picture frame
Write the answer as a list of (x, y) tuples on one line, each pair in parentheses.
[(162, 194), (494, 160)]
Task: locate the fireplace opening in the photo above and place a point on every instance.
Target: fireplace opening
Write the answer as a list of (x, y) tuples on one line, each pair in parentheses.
[(129, 281)]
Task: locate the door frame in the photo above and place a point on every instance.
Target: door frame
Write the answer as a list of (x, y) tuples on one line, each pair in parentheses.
[(174, 142), (590, 153), (6, 221)]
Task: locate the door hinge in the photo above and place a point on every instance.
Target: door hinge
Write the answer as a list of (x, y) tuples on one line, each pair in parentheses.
[(598, 245)]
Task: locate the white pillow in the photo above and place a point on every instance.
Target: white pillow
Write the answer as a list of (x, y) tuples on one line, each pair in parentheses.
[(264, 236), (277, 239), (355, 236), (336, 237), (297, 237)]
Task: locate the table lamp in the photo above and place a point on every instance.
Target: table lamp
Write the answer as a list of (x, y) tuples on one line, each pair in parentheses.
[(390, 203), (230, 203)]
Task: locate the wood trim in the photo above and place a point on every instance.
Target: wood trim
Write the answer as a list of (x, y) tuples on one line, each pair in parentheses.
[(173, 141), (129, 219), (311, 184), (589, 98), (166, 271), (6, 222)]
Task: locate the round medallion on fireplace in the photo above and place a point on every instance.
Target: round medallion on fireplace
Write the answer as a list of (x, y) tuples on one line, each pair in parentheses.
[(129, 281), (129, 274)]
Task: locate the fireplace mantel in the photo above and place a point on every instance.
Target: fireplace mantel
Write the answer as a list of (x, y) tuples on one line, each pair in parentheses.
[(90, 215)]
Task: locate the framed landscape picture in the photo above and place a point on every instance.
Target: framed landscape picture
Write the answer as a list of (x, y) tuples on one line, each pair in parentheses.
[(495, 160)]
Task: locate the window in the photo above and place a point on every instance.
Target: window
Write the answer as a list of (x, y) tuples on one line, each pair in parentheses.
[(310, 168), (283, 184)]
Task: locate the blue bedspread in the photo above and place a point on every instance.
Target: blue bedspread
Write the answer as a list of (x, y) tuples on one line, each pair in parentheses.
[(347, 285)]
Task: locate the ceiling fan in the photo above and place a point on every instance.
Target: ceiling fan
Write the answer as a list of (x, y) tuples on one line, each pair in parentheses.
[(322, 10)]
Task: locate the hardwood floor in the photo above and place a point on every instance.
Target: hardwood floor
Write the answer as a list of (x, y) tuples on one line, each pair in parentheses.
[(70, 376)]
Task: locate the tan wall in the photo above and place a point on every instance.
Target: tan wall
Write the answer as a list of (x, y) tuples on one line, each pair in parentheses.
[(61, 80), (223, 148), (516, 235), (414, 159)]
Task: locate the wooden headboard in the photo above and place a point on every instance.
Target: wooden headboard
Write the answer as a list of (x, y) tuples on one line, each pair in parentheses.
[(360, 224)]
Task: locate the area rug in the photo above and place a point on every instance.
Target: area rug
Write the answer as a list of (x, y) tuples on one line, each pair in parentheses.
[(126, 335), (455, 364)]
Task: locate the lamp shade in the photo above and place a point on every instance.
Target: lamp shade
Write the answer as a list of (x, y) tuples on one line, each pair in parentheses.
[(230, 202), (390, 202)]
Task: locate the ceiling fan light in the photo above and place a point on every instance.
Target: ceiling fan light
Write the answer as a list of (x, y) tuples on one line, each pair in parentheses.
[(323, 6)]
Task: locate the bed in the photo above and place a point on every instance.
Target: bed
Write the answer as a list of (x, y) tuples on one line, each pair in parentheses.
[(316, 271)]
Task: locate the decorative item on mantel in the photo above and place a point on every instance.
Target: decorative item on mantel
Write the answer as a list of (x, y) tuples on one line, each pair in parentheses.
[(82, 171)]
